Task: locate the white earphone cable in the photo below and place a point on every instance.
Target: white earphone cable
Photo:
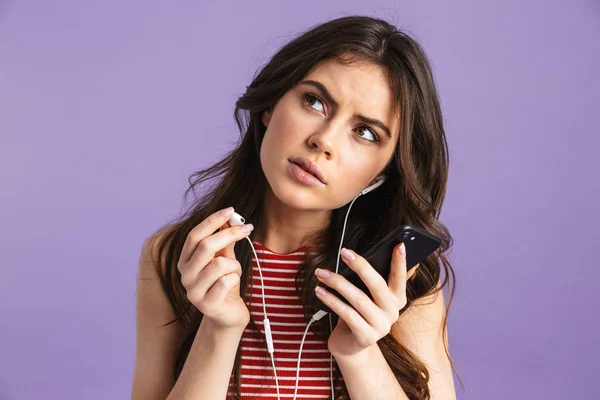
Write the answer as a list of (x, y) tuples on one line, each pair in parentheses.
[(317, 316), (337, 266), (321, 313), (267, 325)]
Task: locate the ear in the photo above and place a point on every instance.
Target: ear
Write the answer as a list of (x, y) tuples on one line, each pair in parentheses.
[(266, 117)]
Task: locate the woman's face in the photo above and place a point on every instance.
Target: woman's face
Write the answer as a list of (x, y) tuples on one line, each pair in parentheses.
[(307, 122)]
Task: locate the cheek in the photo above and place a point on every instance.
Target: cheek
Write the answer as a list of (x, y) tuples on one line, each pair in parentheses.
[(354, 175), (289, 127), (283, 134), (350, 182)]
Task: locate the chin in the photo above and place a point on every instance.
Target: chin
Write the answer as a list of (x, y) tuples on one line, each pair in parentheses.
[(294, 196)]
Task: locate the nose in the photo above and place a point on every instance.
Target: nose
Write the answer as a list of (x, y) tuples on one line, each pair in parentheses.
[(319, 144), (324, 139)]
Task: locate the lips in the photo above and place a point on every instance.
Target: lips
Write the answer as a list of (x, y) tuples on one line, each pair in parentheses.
[(310, 167)]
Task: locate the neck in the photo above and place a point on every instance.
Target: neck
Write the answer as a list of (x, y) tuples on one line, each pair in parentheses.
[(285, 229)]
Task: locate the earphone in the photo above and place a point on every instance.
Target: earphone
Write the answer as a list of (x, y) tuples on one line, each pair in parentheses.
[(374, 186), (237, 219)]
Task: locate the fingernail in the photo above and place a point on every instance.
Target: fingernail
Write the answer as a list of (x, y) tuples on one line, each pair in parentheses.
[(322, 273), (247, 227), (320, 290), (226, 212), (402, 249), (347, 254)]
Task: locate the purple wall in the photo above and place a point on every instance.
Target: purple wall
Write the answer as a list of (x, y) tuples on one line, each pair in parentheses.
[(105, 109)]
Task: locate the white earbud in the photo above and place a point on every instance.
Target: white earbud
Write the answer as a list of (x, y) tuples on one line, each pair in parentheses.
[(374, 186), (236, 219)]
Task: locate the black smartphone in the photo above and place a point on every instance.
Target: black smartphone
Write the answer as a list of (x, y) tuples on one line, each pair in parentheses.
[(419, 244)]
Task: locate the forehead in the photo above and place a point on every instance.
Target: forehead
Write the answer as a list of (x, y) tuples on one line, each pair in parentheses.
[(360, 88)]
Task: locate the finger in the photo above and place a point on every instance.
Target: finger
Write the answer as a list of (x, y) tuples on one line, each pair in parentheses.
[(372, 314), (412, 272), (202, 230), (208, 247), (377, 285), (397, 278), (217, 268), (351, 317), (217, 293), (228, 251)]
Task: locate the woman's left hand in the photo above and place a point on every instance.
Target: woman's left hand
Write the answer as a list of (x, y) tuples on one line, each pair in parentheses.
[(362, 325)]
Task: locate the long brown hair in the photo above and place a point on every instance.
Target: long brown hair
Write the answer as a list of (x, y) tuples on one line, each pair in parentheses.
[(413, 192)]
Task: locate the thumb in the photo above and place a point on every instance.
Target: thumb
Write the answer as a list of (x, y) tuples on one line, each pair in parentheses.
[(397, 276)]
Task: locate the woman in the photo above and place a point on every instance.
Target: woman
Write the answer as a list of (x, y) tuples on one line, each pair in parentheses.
[(355, 99)]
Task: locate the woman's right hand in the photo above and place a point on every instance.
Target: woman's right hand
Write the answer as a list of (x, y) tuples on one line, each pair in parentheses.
[(211, 274)]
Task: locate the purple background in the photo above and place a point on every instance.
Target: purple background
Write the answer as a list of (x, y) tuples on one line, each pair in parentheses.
[(107, 107)]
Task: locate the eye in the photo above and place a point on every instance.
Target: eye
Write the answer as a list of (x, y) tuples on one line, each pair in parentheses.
[(309, 98), (371, 131)]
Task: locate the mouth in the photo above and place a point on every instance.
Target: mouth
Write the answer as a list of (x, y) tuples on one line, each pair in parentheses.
[(310, 167)]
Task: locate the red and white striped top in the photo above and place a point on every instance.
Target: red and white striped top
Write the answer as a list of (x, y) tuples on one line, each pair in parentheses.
[(284, 310)]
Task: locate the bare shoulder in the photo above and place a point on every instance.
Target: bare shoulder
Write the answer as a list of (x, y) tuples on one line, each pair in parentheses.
[(420, 328), (156, 345), (149, 257)]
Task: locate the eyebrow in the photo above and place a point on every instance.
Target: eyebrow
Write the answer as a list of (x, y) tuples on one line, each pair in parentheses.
[(331, 100)]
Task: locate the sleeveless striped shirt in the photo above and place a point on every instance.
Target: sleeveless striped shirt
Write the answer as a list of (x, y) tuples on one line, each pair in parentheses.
[(284, 310)]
